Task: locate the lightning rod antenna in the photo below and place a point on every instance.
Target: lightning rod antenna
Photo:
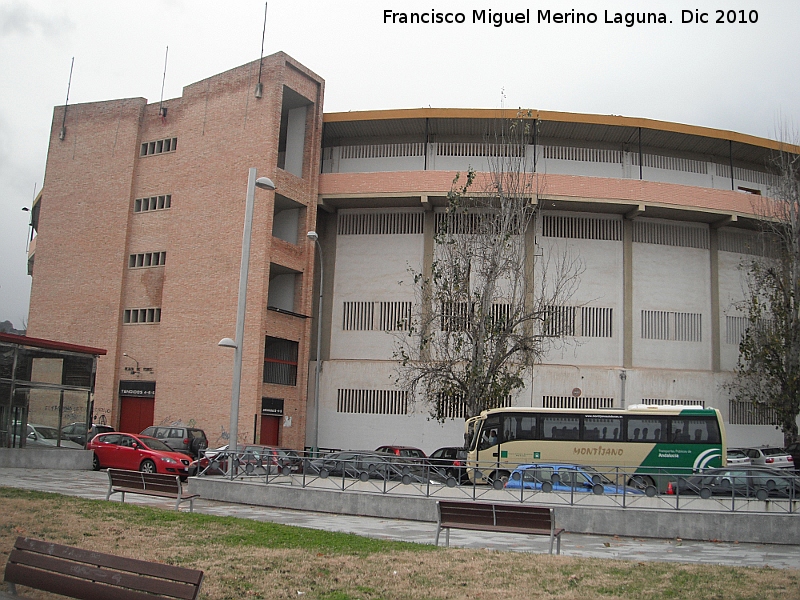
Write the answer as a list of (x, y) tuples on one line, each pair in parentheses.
[(162, 110), (63, 133), (259, 86)]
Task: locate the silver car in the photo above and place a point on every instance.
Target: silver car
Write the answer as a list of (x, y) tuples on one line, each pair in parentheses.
[(767, 456), (737, 457), (43, 436)]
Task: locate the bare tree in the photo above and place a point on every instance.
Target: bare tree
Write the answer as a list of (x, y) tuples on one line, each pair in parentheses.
[(768, 372), (487, 310)]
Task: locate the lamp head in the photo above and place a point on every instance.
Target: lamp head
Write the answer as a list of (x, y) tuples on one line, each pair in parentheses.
[(227, 343), (265, 183), (312, 235)]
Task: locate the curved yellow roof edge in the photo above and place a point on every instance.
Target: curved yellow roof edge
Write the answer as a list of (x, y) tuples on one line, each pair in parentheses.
[(565, 117)]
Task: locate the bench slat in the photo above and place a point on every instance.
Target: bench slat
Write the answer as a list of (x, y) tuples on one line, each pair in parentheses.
[(503, 518), (111, 577), (121, 563), (69, 586)]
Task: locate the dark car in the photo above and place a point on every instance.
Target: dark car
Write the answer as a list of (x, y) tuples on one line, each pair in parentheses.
[(137, 453), (793, 450), (189, 440), (366, 465), (451, 461), (404, 451), (261, 460), (746, 482), (77, 432)]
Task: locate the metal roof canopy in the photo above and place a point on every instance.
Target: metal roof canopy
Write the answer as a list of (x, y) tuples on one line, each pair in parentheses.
[(603, 130)]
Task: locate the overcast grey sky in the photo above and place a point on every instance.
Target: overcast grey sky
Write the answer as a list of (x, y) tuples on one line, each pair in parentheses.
[(740, 77)]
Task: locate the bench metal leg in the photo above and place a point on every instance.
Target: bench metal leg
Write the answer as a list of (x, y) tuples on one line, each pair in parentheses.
[(447, 537), (438, 530)]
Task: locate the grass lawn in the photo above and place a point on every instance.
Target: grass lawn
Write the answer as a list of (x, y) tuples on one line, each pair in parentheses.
[(250, 559)]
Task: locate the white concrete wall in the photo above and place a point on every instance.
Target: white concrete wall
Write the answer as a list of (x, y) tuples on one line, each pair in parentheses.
[(670, 278), (295, 140)]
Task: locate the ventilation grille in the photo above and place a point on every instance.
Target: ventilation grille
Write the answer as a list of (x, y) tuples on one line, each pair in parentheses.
[(383, 150), (749, 413), (671, 163), (141, 315), (159, 146), (596, 155), (479, 149), (463, 223), (572, 402), (449, 406), (734, 329), (372, 402), (152, 203), (358, 316), (559, 321), (759, 177), (395, 316), (585, 228), (671, 402), (392, 223), (596, 322), (589, 321), (147, 259), (745, 242), (675, 326), (666, 234)]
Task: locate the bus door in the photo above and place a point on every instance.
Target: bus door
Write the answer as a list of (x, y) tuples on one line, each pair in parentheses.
[(488, 455)]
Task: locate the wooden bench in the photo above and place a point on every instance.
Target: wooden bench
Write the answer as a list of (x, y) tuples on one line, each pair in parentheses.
[(88, 575), (505, 518), (150, 484)]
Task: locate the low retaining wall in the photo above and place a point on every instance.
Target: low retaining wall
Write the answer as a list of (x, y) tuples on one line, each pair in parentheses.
[(754, 527), (46, 458)]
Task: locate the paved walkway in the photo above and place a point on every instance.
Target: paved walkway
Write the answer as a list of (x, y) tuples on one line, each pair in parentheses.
[(89, 484)]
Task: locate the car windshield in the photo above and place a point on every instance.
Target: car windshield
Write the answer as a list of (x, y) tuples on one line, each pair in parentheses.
[(155, 444), (48, 433), (772, 451), (736, 454)]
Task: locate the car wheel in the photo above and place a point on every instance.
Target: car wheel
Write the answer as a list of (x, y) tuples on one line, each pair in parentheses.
[(148, 466), (95, 462)]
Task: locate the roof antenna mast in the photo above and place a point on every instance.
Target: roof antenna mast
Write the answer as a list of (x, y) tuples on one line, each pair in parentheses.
[(162, 110), (259, 86), (63, 133)]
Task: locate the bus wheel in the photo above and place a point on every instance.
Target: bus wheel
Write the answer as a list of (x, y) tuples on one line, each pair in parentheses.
[(641, 482), (499, 479)]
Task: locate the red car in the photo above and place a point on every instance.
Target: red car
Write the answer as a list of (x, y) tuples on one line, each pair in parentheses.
[(137, 453)]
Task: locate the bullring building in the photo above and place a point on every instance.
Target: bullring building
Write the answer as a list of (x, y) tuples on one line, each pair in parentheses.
[(139, 239)]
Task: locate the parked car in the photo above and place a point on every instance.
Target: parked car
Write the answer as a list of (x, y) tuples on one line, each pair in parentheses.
[(770, 457), (737, 457), (77, 432), (259, 458), (551, 477), (137, 453), (451, 461), (189, 440), (43, 436), (750, 482), (366, 465), (793, 450), (404, 451)]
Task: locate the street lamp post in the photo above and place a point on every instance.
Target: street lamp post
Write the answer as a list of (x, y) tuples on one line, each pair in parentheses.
[(237, 344), (312, 235)]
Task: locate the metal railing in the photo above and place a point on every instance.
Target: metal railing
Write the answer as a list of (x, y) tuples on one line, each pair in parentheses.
[(710, 491)]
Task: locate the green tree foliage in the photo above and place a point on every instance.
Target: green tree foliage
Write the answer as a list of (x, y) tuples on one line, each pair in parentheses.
[(482, 313), (768, 372)]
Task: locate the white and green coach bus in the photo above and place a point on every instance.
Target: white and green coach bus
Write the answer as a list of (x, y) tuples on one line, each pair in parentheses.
[(649, 444)]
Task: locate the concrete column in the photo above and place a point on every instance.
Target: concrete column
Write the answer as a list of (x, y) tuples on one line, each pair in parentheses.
[(627, 295), (713, 247), (428, 248)]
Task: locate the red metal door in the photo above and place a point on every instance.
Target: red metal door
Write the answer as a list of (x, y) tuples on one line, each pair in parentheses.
[(135, 414), (269, 430)]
